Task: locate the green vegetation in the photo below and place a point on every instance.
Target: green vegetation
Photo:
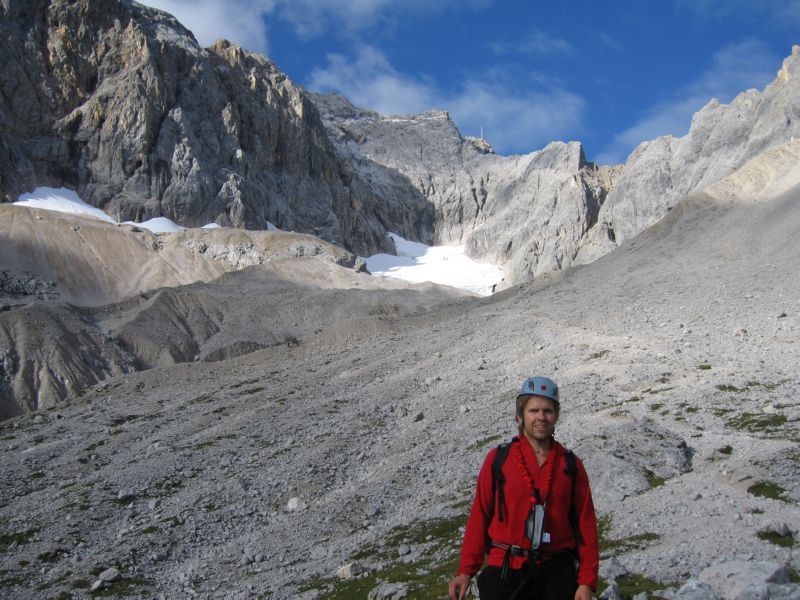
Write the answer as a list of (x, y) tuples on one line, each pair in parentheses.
[(251, 391), (20, 537), (599, 354), (7, 580), (631, 585), (610, 547), (201, 399), (51, 556), (426, 578), (664, 378), (722, 387), (244, 383), (721, 412), (726, 450), (782, 540), (748, 386), (652, 479), (658, 391), (704, 367), (126, 587), (656, 406), (95, 446), (767, 489), (486, 442), (757, 421)]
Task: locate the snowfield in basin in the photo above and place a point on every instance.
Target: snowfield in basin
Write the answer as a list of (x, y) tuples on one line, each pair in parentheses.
[(415, 262)]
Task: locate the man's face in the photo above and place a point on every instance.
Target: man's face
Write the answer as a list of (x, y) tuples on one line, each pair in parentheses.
[(539, 418)]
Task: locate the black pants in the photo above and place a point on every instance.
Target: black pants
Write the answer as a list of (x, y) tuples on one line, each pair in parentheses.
[(554, 579)]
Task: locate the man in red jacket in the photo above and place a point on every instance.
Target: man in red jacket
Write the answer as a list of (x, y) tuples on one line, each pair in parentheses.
[(533, 513)]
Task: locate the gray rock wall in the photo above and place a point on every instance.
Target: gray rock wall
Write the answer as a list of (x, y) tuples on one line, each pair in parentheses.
[(118, 102), (551, 209), (528, 213), (722, 138)]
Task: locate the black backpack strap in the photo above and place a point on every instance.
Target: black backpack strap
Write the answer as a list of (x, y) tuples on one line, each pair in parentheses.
[(498, 485), (572, 471)]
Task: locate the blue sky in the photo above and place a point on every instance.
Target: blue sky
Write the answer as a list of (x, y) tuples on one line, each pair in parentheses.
[(609, 74)]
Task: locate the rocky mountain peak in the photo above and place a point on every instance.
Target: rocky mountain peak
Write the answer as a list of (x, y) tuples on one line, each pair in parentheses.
[(131, 113)]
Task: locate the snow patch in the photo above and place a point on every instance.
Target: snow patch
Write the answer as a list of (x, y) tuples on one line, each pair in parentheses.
[(66, 201), (445, 265), (158, 225), (61, 200)]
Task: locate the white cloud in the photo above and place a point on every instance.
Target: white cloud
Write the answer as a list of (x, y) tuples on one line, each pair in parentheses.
[(244, 21), (535, 43), (784, 13), (240, 22), (370, 81), (735, 68), (515, 118)]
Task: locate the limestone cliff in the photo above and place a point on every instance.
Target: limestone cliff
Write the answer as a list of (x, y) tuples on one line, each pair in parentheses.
[(118, 101), (529, 213), (550, 209), (722, 138)]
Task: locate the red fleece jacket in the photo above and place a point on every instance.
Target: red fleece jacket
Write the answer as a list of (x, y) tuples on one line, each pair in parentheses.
[(518, 504)]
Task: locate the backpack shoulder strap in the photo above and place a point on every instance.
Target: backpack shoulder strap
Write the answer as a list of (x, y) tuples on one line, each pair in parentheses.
[(498, 483), (572, 471)]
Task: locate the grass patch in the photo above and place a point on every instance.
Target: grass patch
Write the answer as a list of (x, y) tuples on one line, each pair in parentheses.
[(631, 585), (658, 391), (652, 479), (205, 398), (599, 354), (747, 386), (723, 387), (773, 537), (704, 367), (794, 576), (756, 421), (656, 406), (486, 442), (20, 538), (95, 446), (610, 547), (425, 579), (8, 580), (236, 386), (123, 419), (129, 586), (51, 556), (664, 378), (251, 391), (767, 489), (727, 450)]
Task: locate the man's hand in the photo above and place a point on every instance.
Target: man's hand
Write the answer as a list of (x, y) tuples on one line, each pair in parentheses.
[(584, 592), (460, 584)]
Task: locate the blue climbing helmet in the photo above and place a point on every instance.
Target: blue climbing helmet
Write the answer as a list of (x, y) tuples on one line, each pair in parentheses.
[(539, 386)]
